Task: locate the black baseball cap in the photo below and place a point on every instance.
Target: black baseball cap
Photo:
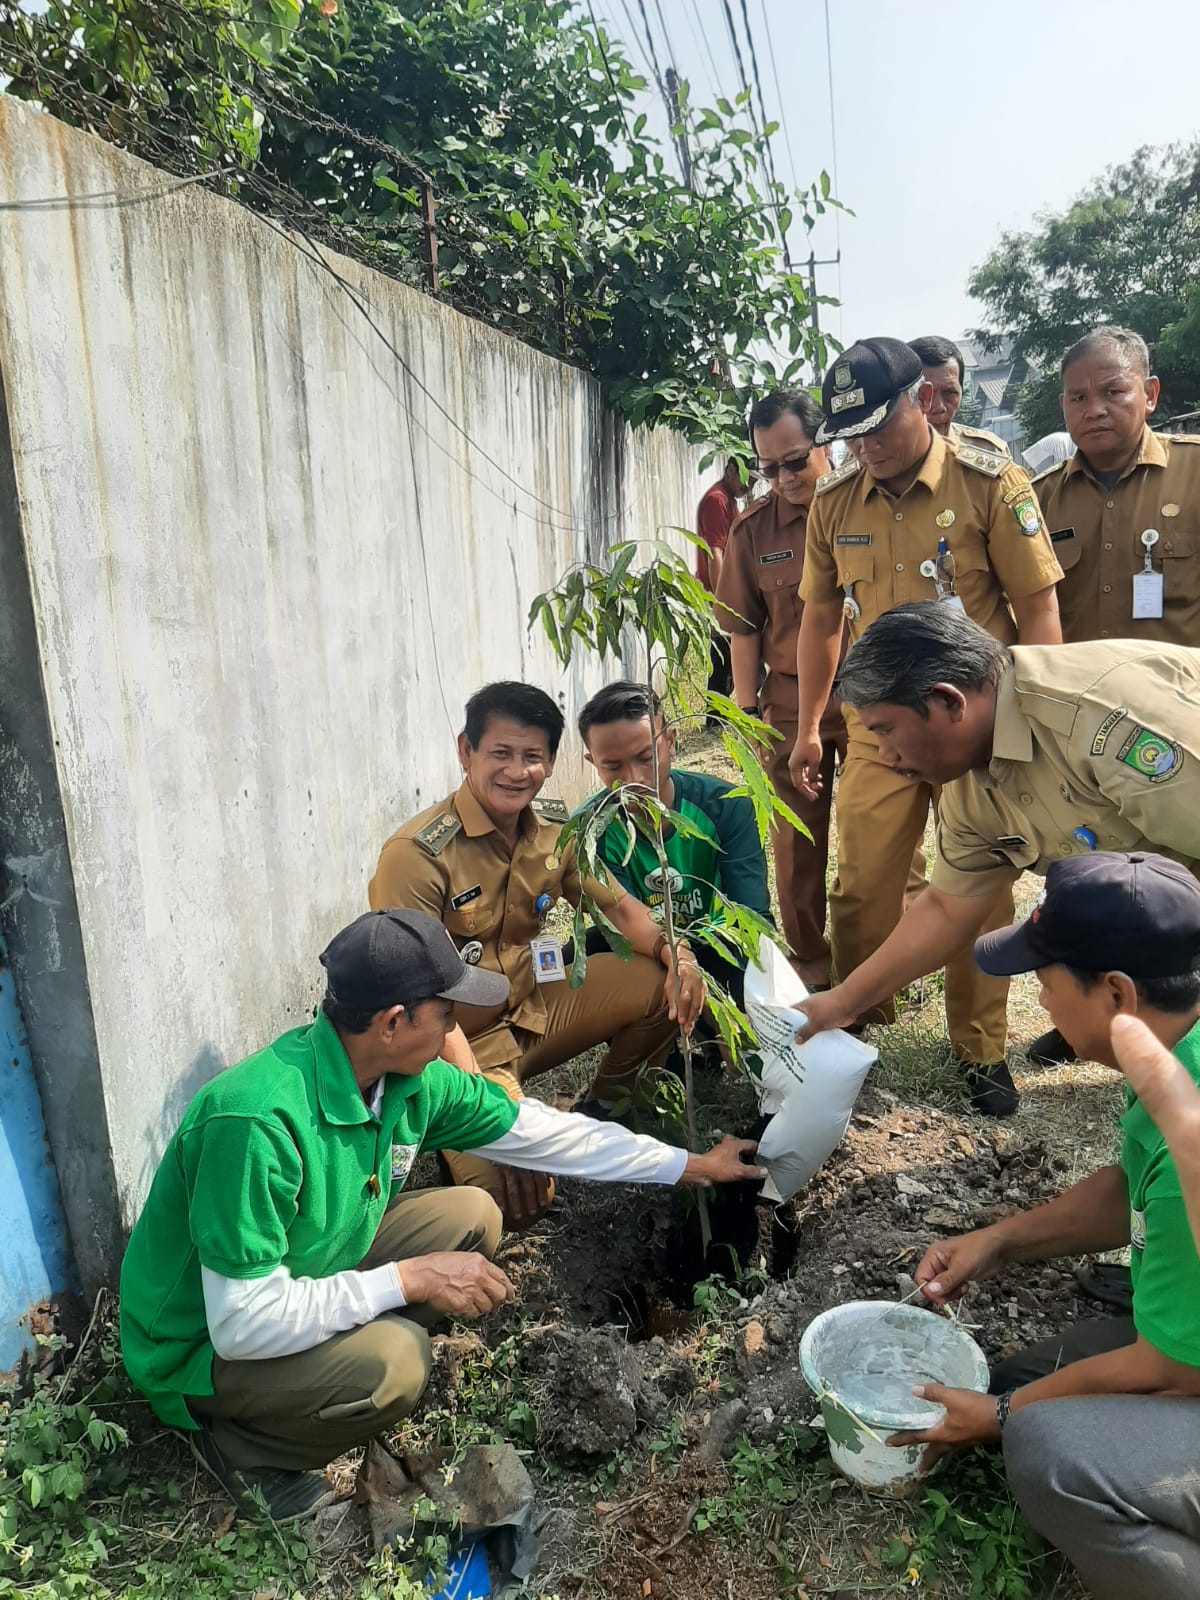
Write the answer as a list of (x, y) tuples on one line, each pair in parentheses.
[(1101, 912), (391, 958), (863, 387)]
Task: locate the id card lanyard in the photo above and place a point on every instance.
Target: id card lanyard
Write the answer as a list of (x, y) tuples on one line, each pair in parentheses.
[(1148, 584)]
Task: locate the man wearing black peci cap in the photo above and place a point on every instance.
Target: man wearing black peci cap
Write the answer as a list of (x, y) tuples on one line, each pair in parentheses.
[(910, 516), (1101, 1425), (278, 1283)]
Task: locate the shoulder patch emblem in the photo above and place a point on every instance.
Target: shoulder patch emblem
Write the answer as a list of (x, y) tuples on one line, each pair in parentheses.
[(987, 461), (1150, 755), (436, 835), (1024, 506), (551, 810), (1112, 720), (839, 475)]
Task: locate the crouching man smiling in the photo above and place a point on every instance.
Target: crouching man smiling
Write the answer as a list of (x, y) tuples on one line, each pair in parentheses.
[(1101, 1425), (278, 1283)]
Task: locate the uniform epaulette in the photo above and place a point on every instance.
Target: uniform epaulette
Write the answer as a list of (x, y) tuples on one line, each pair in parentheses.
[(437, 834), (551, 810), (1183, 438), (983, 460), (839, 475), (1055, 466), (991, 441)]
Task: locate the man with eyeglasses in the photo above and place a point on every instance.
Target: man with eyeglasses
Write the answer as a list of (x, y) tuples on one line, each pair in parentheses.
[(758, 589), (910, 516)]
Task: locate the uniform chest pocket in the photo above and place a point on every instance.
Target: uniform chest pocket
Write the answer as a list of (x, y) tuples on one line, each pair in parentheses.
[(1174, 542), (854, 564), (477, 920), (779, 569), (1067, 547)]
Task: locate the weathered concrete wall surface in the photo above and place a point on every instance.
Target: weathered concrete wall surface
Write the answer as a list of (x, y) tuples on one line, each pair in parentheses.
[(264, 570)]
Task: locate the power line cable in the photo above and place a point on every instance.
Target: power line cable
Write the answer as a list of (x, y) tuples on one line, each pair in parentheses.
[(837, 212), (700, 33), (787, 137), (608, 72)]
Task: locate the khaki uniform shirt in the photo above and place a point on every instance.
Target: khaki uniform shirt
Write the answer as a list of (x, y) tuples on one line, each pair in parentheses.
[(1102, 737), (452, 862), (760, 582), (980, 437), (868, 545), (1097, 537)]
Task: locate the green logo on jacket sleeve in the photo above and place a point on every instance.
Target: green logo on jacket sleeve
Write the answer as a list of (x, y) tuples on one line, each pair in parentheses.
[(1149, 754)]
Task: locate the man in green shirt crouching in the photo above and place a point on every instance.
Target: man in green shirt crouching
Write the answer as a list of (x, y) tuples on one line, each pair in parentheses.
[(620, 727), (278, 1283), (1101, 1425)]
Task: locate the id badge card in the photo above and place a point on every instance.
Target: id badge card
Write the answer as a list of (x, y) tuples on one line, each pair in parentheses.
[(547, 957), (954, 601), (1147, 594)]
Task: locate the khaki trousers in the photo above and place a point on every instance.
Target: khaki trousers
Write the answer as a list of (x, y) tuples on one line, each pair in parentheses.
[(881, 819), (619, 1002), (302, 1411), (800, 863)]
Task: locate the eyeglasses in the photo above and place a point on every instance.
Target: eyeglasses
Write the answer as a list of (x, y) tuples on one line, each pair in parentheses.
[(772, 469)]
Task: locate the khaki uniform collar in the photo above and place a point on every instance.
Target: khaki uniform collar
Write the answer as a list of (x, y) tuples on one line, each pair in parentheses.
[(475, 820), (1012, 737), (932, 468), (1152, 452), (786, 513)]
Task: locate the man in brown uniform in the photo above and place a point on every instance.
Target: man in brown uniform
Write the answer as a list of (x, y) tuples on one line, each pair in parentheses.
[(759, 587), (1039, 754), (1123, 515), (485, 862), (944, 369), (1124, 512), (920, 518)]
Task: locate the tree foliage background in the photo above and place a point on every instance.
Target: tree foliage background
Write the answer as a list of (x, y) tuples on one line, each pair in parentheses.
[(1127, 251), (558, 217)]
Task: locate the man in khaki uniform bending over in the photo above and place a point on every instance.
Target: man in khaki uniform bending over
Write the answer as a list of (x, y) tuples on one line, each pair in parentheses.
[(1039, 753), (1123, 515), (484, 862), (911, 516)]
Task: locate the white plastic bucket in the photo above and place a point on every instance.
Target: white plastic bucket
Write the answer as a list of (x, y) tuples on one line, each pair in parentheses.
[(862, 1360)]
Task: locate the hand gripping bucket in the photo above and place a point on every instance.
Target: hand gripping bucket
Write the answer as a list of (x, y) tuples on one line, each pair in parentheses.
[(862, 1360)]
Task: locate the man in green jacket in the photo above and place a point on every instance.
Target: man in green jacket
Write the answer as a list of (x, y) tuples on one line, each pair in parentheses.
[(623, 730), (278, 1283)]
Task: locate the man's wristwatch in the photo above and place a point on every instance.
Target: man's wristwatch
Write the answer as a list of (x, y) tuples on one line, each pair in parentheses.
[(1003, 1406)]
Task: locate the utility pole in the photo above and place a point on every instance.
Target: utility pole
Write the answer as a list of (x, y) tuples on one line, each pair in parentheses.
[(676, 114), (814, 308)]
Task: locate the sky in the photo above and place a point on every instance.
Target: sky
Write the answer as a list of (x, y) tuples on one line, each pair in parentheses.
[(954, 122)]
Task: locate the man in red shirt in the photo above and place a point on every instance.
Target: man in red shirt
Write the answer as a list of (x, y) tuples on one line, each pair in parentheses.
[(714, 518)]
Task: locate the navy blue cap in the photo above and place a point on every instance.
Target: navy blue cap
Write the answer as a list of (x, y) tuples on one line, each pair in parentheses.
[(864, 385), (1101, 912)]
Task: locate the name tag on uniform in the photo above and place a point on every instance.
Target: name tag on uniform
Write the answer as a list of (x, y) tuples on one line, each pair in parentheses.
[(1147, 594), (465, 898), (852, 538), (1063, 533), (776, 555), (547, 957)]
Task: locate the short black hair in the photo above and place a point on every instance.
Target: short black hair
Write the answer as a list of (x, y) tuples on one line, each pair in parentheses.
[(779, 403), (1131, 345), (520, 703), (1175, 995), (934, 351), (909, 649), (348, 1020), (623, 701)]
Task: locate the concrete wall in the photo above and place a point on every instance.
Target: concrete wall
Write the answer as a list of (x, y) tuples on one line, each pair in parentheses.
[(263, 570)]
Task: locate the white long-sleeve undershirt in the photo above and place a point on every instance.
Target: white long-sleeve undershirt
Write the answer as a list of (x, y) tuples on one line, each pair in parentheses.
[(254, 1319)]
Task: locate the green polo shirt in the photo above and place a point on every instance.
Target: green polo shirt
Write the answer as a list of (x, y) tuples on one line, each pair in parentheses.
[(278, 1162), (1163, 1258), (728, 855)]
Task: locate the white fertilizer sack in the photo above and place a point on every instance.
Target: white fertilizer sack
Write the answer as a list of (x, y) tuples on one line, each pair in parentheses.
[(809, 1089)]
